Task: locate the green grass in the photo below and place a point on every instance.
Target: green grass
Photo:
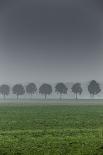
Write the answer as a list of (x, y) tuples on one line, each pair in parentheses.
[(51, 130)]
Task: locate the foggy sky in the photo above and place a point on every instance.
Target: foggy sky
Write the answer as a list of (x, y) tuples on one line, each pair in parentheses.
[(51, 40)]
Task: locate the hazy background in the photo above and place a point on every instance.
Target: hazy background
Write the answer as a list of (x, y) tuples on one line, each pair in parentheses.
[(51, 40)]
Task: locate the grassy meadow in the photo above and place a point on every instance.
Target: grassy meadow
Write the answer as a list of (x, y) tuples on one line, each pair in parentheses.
[(51, 129)]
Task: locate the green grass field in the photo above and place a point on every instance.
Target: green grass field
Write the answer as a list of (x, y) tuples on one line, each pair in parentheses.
[(51, 130)]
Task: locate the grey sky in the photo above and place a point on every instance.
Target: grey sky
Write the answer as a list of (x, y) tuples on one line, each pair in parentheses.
[(47, 40)]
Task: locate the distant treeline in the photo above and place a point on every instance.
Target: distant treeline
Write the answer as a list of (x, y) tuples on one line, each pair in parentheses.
[(46, 89)]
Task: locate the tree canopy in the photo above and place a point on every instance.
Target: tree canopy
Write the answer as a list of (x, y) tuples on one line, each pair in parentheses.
[(77, 89), (61, 88), (45, 89), (18, 90), (31, 88), (4, 90), (94, 88)]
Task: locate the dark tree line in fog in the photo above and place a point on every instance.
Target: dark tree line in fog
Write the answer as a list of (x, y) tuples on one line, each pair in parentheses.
[(46, 89)]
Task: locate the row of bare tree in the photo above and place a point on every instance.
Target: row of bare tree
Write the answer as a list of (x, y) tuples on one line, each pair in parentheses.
[(46, 89)]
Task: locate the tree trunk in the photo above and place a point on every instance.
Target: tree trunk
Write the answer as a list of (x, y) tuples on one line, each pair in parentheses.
[(4, 96), (17, 97), (45, 96), (31, 95), (92, 96), (76, 96), (60, 97)]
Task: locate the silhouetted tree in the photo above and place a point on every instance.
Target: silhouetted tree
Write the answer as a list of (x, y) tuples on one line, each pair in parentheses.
[(45, 89), (94, 88), (31, 89), (77, 89), (61, 88), (18, 90), (4, 90)]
